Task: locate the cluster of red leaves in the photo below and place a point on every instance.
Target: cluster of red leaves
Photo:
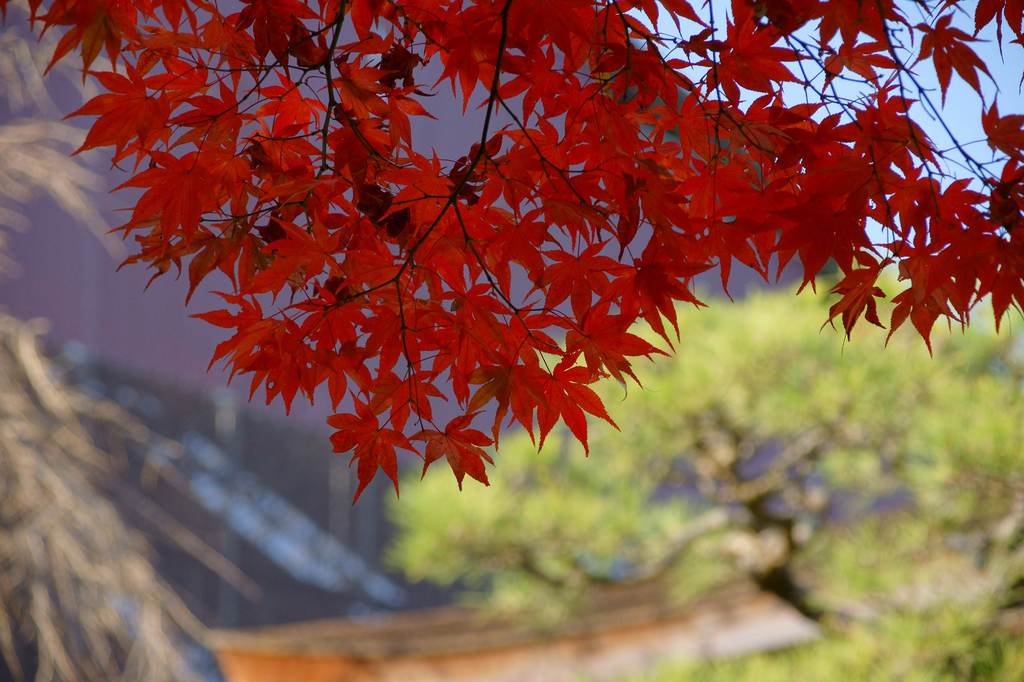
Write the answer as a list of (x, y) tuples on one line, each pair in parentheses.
[(276, 144)]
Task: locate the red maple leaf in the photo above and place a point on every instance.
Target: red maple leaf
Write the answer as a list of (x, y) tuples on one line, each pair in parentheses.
[(285, 151), (373, 446), (947, 47), (461, 446)]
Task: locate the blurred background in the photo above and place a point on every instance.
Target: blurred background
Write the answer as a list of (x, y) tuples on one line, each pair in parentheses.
[(780, 502)]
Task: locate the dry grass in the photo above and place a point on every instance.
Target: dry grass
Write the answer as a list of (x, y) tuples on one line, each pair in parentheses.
[(79, 598)]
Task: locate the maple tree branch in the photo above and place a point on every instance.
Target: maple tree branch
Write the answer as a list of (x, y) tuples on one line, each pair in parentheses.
[(517, 311), (353, 125), (545, 161), (410, 369), (716, 140), (480, 261), (481, 150), (902, 69), (451, 201), (339, 21), (854, 120)]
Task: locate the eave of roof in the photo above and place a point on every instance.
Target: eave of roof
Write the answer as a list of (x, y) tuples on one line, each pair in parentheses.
[(454, 630)]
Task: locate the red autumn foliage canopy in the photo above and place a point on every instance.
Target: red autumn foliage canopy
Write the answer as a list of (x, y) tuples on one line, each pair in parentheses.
[(619, 148)]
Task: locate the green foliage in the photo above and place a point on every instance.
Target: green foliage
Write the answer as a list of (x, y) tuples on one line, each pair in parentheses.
[(880, 480)]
